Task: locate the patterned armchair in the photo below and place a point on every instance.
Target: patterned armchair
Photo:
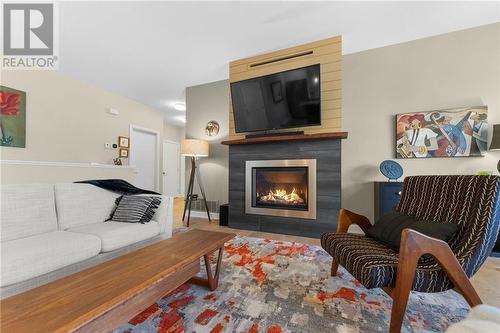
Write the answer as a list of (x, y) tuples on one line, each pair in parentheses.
[(428, 264)]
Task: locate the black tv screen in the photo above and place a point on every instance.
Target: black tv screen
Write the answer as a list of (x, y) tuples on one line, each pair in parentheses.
[(282, 100)]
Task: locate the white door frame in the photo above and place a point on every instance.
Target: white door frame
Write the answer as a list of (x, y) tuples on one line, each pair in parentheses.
[(157, 155), (182, 166)]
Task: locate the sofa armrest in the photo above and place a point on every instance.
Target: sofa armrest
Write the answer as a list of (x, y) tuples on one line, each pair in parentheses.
[(164, 215)]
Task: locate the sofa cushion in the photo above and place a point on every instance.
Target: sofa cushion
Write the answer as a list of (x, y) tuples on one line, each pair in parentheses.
[(115, 235), (33, 256), (27, 210), (374, 264), (81, 204), (370, 262)]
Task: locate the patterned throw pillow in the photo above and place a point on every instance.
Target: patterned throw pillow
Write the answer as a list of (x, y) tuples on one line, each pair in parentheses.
[(135, 208)]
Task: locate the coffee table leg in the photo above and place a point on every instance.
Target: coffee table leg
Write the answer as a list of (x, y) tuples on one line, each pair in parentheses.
[(212, 280)]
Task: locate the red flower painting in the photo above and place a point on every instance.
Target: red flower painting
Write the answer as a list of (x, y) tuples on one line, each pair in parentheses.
[(9, 103), (12, 117)]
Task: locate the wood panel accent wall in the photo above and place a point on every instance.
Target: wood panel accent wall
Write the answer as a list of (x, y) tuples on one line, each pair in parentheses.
[(326, 52)]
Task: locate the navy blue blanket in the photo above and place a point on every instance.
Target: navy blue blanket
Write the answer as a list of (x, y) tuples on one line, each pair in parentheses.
[(117, 185)]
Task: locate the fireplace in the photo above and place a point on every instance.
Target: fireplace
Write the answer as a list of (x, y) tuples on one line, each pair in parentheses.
[(281, 188), (319, 191)]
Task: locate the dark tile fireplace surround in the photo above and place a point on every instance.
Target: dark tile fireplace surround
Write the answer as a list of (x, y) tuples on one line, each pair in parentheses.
[(293, 186)]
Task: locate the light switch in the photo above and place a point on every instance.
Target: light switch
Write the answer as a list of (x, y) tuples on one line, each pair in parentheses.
[(107, 145)]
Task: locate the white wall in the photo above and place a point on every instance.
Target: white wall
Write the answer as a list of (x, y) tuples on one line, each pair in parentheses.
[(67, 122), (204, 103), (176, 134), (172, 132), (451, 70)]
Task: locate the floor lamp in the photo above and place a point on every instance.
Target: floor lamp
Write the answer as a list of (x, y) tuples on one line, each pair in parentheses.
[(194, 149)]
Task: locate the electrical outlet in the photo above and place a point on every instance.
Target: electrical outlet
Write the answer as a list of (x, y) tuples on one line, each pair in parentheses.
[(107, 145)]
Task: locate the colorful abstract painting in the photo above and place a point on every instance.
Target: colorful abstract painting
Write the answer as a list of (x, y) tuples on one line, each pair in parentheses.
[(12, 117), (270, 286), (457, 132)]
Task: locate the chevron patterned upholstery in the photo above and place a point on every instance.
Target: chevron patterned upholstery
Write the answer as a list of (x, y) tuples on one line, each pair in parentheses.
[(370, 262), (472, 202)]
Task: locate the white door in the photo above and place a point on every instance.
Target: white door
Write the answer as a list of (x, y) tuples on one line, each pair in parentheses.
[(144, 148), (172, 169)]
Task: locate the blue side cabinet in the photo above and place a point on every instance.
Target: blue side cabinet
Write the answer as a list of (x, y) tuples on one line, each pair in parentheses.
[(387, 195)]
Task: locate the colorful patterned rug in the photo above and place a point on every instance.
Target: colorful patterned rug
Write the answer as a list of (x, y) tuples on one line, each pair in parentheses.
[(272, 287)]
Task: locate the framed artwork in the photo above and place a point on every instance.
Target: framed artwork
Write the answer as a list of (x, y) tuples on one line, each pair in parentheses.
[(12, 117), (459, 132), (277, 93), (123, 153), (123, 142)]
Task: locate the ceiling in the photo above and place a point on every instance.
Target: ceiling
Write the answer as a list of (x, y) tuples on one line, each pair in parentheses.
[(151, 51)]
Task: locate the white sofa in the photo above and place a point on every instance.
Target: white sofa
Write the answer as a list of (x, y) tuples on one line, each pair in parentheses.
[(49, 231)]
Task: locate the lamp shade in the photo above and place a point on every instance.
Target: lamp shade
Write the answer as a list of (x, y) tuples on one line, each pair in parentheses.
[(192, 147), (495, 141)]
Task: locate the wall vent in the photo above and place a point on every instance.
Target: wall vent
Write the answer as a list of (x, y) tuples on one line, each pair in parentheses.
[(287, 57), (199, 205)]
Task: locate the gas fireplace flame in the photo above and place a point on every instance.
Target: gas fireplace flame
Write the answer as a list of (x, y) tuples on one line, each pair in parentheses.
[(281, 195)]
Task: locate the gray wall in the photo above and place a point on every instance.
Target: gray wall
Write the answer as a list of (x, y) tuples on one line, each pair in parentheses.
[(451, 70), (204, 103)]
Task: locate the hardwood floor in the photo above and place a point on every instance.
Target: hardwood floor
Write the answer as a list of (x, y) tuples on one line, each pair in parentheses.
[(486, 281), (202, 223)]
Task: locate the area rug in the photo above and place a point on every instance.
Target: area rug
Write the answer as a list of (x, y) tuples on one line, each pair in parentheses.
[(272, 287)]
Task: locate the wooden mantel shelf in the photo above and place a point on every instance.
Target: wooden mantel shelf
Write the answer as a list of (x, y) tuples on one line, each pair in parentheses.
[(294, 137)]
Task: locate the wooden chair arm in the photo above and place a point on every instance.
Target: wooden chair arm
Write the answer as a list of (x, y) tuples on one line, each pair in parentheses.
[(413, 245), (346, 218), (414, 242)]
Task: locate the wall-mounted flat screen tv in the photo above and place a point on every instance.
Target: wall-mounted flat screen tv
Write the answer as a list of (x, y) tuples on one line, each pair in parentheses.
[(282, 100)]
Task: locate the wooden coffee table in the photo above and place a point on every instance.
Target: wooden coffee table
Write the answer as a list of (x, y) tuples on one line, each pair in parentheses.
[(101, 298)]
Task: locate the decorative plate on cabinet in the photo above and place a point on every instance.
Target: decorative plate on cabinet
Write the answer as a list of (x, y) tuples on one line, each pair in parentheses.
[(391, 169)]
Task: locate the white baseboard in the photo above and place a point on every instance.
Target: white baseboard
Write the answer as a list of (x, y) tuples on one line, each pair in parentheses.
[(196, 213)]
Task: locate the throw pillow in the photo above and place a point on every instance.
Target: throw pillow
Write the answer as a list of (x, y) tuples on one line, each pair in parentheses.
[(388, 229), (135, 208)]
